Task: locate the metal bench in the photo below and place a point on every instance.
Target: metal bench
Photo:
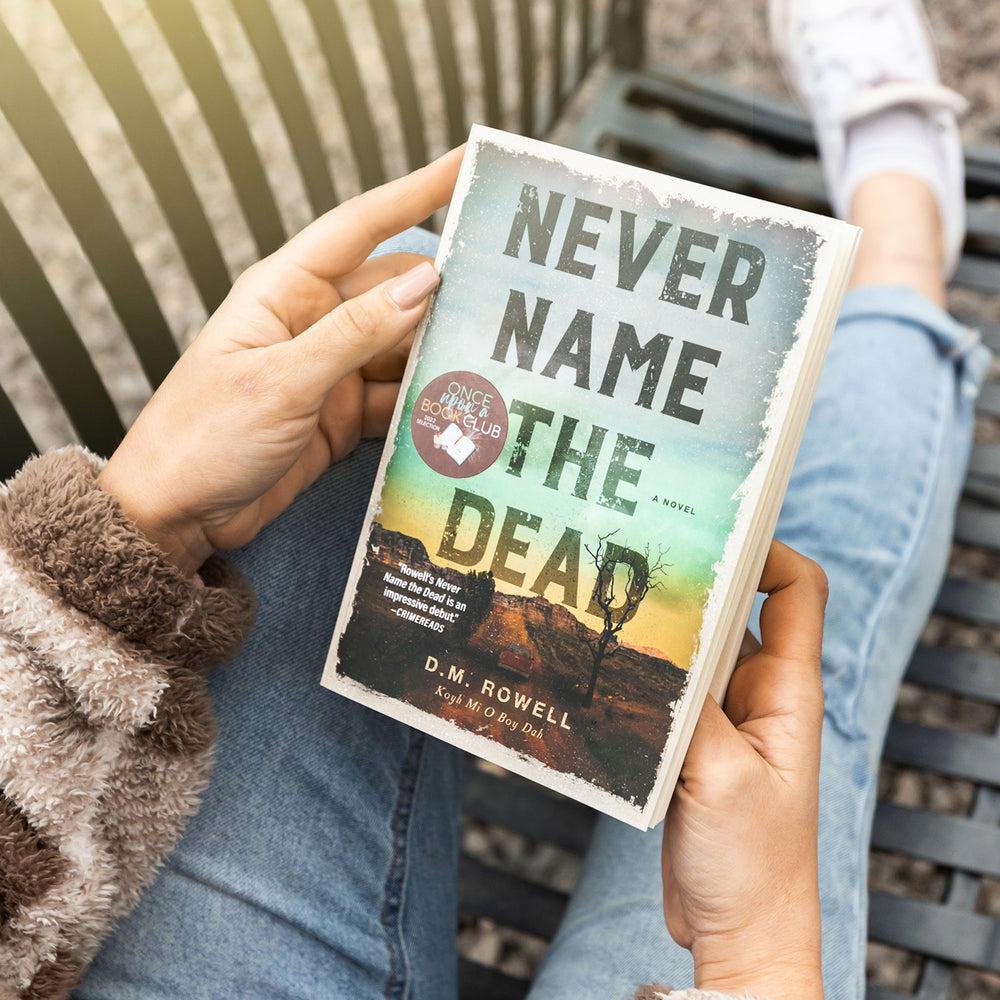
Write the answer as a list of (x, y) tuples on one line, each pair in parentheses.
[(151, 151)]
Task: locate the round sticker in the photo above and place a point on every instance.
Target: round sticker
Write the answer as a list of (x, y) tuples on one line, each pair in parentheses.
[(459, 424)]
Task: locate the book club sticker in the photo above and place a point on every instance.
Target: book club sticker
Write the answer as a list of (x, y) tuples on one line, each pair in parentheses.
[(459, 424)]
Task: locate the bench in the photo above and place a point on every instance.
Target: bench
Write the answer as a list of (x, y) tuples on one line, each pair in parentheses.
[(152, 151)]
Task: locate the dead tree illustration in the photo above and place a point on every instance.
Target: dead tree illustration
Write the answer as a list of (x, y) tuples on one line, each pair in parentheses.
[(612, 607)]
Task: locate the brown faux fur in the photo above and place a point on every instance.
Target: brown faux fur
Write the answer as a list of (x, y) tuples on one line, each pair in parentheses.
[(28, 867), (105, 725), (94, 558), (658, 992)]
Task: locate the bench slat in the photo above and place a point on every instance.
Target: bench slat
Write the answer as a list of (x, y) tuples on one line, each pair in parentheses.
[(343, 68), (557, 94), (47, 140), (988, 402), (115, 72), (963, 672), (713, 102), (955, 935), (16, 445), (508, 899), (981, 274), (486, 983), (525, 808), (285, 85), (585, 50), (404, 88), (60, 352), (443, 36), (976, 601), (199, 62), (984, 460), (968, 756), (978, 525), (486, 28), (951, 841), (526, 66)]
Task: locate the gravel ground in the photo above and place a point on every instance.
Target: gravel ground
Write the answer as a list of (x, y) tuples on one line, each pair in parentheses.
[(724, 38), (731, 40)]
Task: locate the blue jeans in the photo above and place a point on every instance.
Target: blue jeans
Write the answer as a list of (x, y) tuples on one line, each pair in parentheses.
[(323, 860)]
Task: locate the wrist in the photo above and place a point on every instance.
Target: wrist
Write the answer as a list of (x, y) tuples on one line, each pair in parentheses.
[(774, 959), (180, 540), (777, 979)]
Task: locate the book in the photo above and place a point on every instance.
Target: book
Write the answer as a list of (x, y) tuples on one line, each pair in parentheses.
[(594, 435)]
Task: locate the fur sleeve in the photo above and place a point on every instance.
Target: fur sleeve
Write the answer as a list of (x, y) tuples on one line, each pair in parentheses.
[(657, 992), (105, 726)]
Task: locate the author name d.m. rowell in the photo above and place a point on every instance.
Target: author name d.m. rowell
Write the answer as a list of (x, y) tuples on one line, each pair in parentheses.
[(526, 704)]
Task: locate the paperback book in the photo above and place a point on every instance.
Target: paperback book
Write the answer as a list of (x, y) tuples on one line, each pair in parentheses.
[(594, 435)]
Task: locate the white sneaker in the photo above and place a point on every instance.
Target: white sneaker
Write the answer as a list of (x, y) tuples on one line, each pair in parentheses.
[(849, 60)]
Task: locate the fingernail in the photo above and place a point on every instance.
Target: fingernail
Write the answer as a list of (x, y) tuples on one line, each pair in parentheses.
[(412, 288)]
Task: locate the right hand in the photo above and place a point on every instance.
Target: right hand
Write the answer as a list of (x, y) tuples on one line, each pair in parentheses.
[(740, 882)]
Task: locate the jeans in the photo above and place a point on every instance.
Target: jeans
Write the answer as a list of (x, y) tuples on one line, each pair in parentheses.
[(323, 860)]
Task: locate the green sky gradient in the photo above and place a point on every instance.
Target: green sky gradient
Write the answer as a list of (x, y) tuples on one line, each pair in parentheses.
[(701, 466)]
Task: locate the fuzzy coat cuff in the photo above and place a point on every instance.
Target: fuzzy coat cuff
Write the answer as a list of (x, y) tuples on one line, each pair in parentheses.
[(105, 724), (61, 525), (658, 992)]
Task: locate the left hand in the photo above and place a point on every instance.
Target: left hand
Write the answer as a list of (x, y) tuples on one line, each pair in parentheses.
[(299, 363)]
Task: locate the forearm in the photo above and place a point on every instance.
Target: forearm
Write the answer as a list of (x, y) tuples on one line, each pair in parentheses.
[(105, 727)]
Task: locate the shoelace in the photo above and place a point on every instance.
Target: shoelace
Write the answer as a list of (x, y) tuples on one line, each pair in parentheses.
[(874, 54)]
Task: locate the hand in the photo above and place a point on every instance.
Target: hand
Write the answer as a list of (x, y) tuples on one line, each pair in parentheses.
[(739, 848), (299, 363)]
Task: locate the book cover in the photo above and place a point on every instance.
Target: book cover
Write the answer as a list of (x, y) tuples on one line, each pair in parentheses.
[(595, 430)]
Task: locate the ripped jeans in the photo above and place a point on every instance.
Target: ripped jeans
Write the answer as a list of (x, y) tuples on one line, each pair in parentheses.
[(322, 863)]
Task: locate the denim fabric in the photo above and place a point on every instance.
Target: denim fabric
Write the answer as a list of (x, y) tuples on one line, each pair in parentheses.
[(322, 863), (871, 499)]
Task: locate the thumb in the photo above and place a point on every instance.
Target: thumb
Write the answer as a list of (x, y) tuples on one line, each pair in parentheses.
[(714, 756), (361, 328)]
